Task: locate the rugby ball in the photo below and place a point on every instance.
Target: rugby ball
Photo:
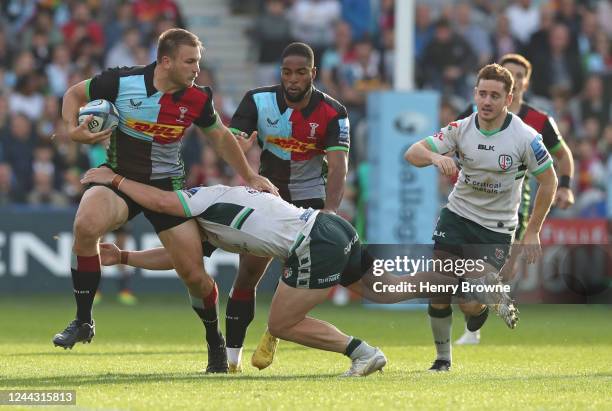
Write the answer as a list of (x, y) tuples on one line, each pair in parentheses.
[(105, 115)]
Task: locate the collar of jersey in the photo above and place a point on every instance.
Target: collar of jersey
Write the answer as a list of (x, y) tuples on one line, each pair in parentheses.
[(149, 71), (315, 98), (489, 133)]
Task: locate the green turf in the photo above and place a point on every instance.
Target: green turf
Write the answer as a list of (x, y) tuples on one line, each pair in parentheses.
[(150, 357)]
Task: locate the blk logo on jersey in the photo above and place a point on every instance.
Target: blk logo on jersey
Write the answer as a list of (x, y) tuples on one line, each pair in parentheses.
[(505, 161), (486, 147), (272, 123)]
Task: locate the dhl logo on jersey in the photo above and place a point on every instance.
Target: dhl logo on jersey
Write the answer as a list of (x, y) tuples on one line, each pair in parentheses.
[(293, 145), (161, 133)]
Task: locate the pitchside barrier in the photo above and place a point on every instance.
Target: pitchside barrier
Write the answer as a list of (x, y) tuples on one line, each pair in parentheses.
[(35, 255)]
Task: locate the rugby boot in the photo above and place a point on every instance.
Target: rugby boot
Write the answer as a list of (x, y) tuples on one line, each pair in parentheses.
[(264, 353), (75, 332)]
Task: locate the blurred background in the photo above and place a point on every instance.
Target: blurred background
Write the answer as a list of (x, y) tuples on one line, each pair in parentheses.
[(47, 45)]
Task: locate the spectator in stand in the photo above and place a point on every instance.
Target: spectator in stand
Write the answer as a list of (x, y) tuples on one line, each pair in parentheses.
[(6, 51), (82, 30), (524, 17), (313, 23), (27, 98), (43, 192), (59, 70), (447, 60), (604, 14), (122, 19), (502, 39), (601, 60), (7, 195), (45, 127), (387, 56), (592, 103), (18, 145), (358, 15), (43, 23), (148, 12), (272, 32), (335, 57), (591, 181), (4, 116), (476, 36), (557, 66), (567, 13), (539, 39), (386, 20), (423, 30), (123, 53), (586, 37)]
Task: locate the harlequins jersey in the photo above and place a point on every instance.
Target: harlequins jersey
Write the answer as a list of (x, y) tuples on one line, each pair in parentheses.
[(146, 145), (294, 142)]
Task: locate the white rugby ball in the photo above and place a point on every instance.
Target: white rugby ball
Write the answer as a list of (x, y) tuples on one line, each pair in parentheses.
[(105, 115)]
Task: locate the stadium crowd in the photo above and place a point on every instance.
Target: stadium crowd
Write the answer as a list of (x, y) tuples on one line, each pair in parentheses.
[(47, 46)]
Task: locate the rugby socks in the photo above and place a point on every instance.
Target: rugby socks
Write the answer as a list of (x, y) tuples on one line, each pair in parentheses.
[(207, 309), (85, 281), (239, 314), (441, 325), (357, 349)]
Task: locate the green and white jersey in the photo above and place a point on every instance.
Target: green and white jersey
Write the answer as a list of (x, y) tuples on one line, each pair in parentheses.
[(243, 220), (493, 165)]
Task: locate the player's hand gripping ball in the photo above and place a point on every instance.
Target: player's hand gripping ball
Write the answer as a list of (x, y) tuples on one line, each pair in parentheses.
[(105, 115)]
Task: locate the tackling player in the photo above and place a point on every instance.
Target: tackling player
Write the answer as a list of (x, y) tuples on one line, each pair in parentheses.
[(495, 150), (156, 104), (319, 250)]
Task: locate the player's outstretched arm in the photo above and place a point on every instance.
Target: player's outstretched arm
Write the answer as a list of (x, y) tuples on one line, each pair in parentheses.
[(152, 259), (547, 181), (225, 144), (421, 155), (165, 202), (74, 98)]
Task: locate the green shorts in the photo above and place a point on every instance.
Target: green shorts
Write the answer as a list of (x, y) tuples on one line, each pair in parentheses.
[(466, 239), (330, 255)]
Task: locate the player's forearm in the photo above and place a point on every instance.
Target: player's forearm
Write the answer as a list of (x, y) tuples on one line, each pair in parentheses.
[(154, 199), (418, 155), (543, 201), (152, 259), (229, 150), (565, 160), (73, 99), (336, 179)]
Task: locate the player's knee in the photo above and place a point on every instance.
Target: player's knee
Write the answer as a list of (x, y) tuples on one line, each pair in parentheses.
[(88, 227), (439, 306)]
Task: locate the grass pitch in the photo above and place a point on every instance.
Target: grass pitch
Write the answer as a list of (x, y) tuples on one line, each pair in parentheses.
[(151, 357)]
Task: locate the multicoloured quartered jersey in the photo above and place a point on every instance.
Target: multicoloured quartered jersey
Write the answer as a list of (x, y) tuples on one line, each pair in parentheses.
[(294, 143), (243, 220), (493, 167), (147, 143)]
